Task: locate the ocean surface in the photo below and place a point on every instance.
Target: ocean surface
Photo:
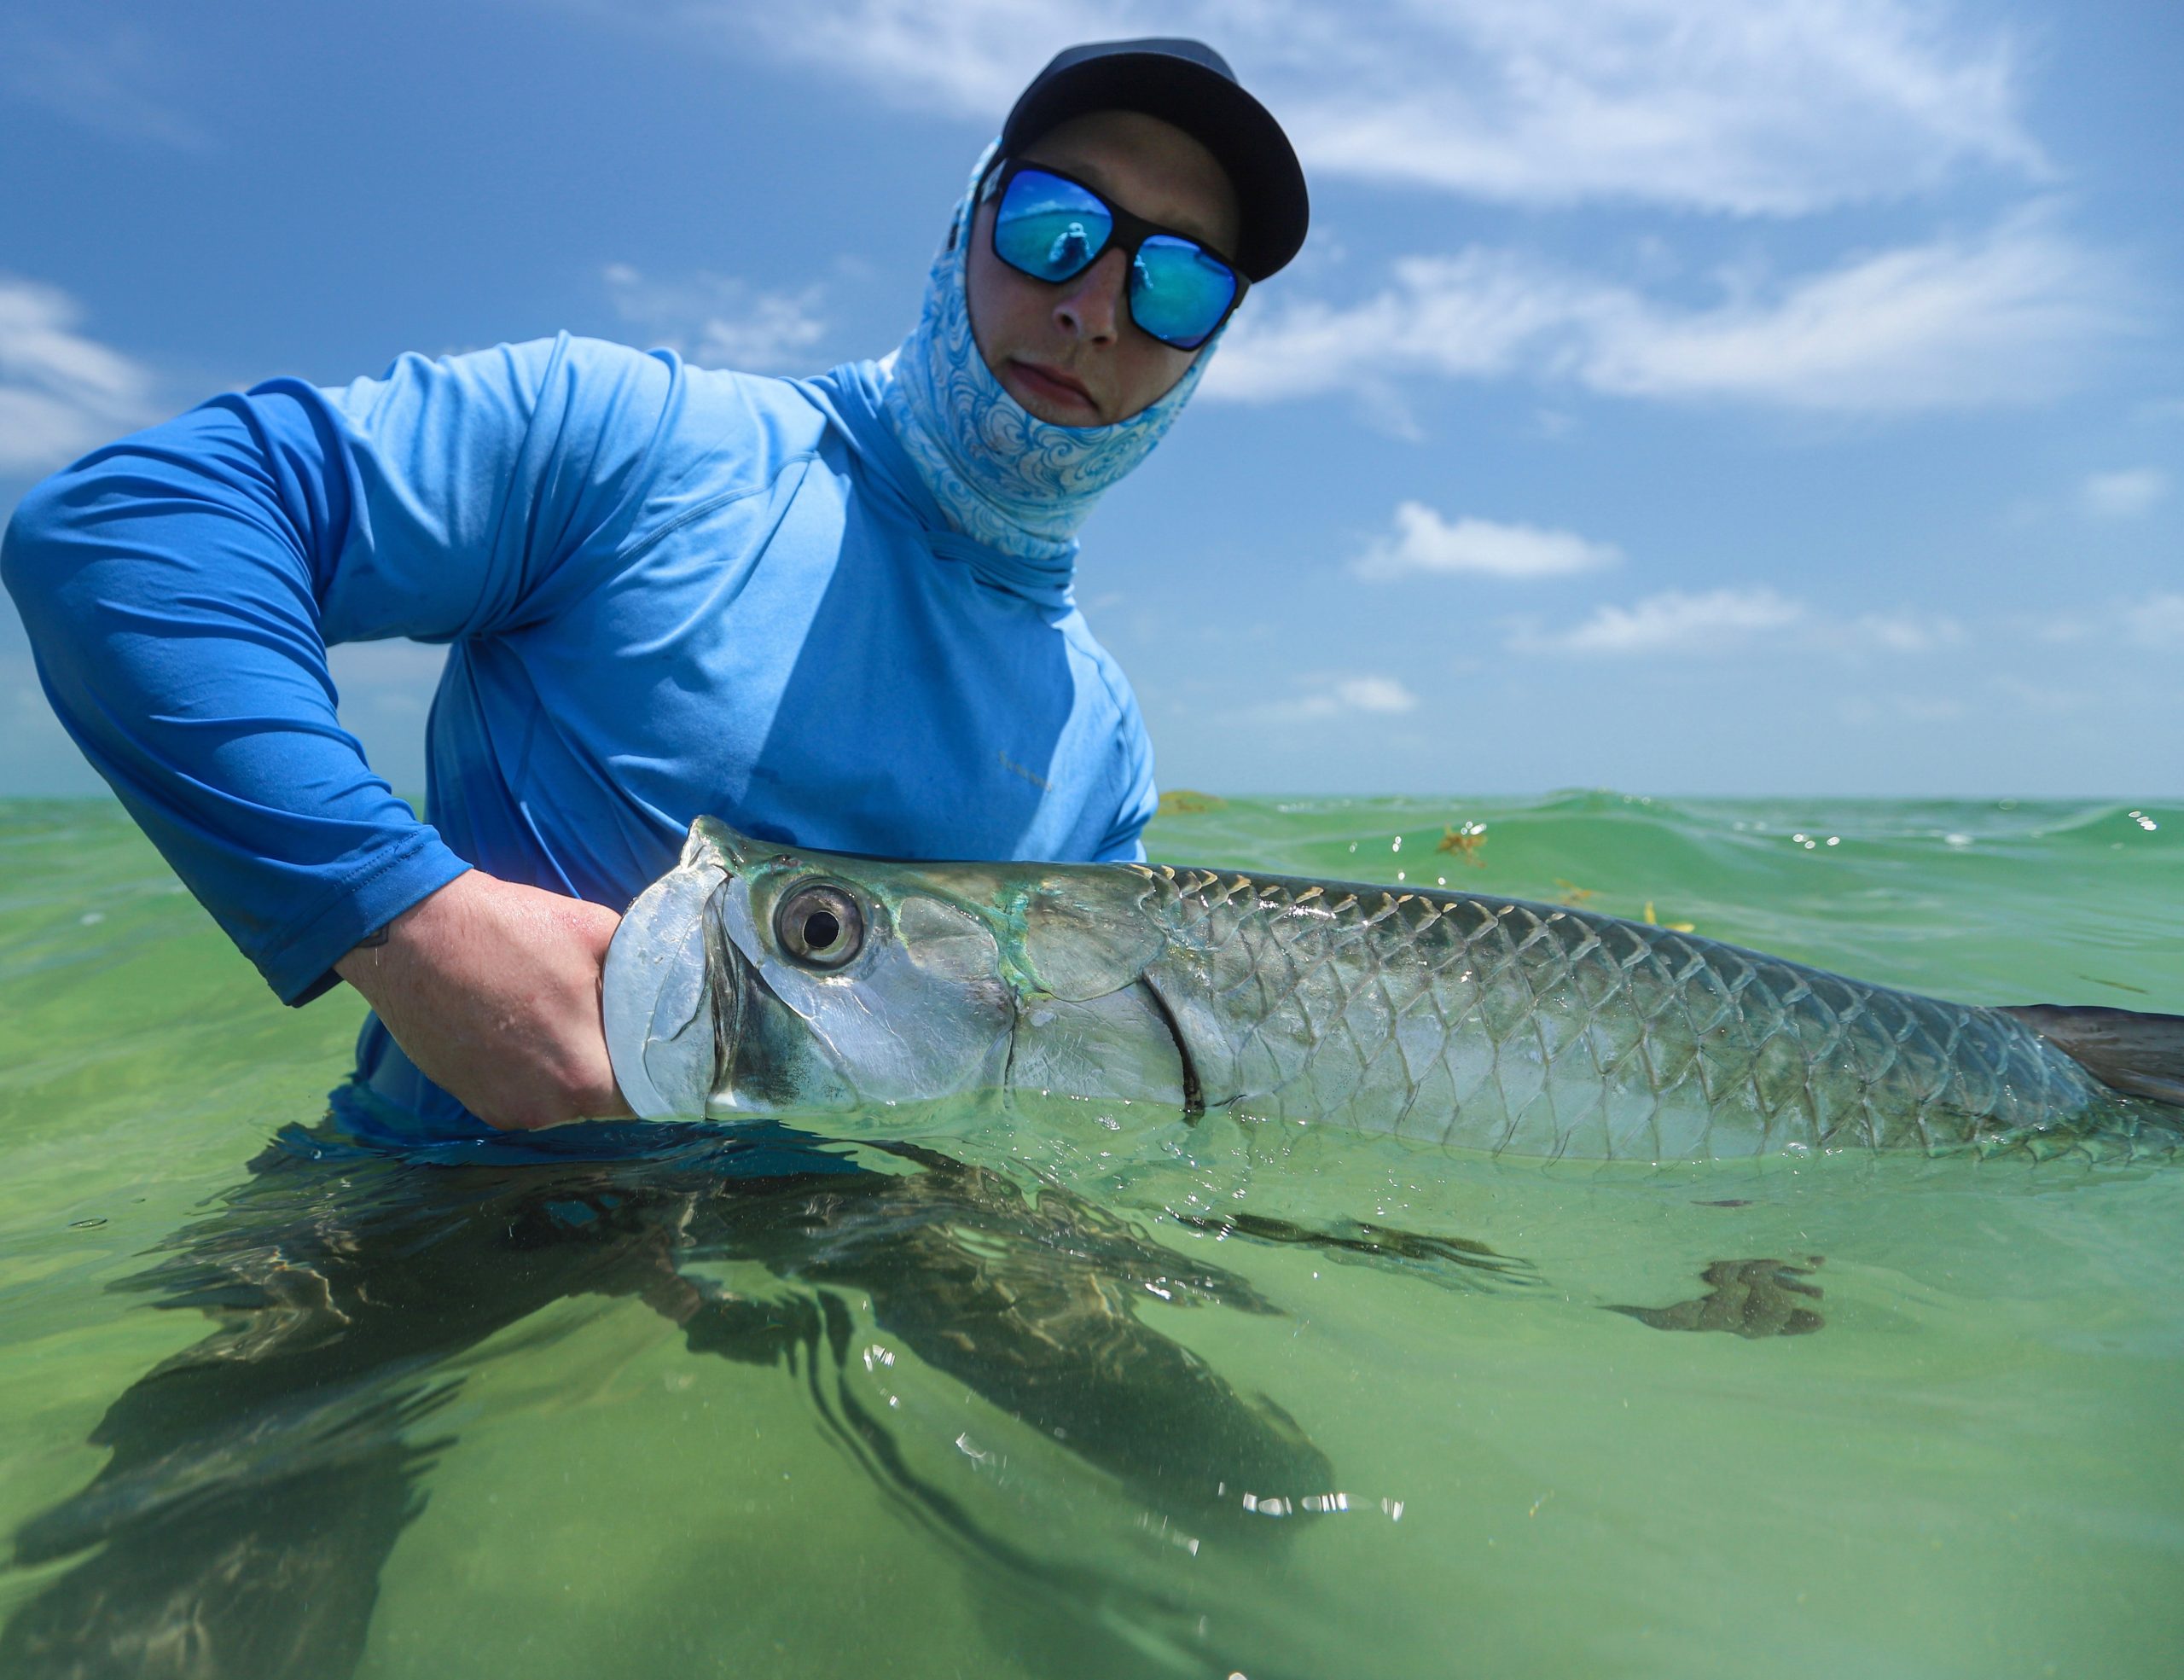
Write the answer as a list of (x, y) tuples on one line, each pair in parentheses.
[(1095, 1394)]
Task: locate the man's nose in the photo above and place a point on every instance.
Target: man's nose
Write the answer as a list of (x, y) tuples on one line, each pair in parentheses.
[(1090, 306)]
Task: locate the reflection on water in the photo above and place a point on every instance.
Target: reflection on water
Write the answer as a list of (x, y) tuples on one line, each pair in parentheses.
[(258, 1479), (1431, 1257), (1752, 1298)]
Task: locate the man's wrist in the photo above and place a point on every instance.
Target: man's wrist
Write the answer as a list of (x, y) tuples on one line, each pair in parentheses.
[(381, 942), (367, 959)]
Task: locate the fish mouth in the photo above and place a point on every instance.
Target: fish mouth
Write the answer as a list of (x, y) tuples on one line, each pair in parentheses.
[(671, 994)]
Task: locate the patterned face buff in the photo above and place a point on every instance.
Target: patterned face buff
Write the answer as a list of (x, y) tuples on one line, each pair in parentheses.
[(1003, 476)]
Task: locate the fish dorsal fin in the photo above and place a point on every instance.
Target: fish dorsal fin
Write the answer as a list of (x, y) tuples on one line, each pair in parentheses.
[(2140, 1054)]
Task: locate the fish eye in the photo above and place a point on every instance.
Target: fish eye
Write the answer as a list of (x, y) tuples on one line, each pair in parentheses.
[(820, 925)]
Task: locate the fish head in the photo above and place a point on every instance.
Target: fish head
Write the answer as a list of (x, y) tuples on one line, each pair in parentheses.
[(757, 979), (754, 979)]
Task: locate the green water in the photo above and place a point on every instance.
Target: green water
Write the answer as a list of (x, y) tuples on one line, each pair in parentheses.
[(993, 1409)]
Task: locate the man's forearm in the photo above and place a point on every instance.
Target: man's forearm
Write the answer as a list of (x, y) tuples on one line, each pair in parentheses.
[(493, 989), (168, 584)]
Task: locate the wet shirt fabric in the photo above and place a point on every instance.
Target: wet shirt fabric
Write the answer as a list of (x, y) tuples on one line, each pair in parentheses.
[(666, 591)]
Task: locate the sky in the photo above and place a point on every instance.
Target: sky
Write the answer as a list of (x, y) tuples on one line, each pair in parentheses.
[(1703, 397)]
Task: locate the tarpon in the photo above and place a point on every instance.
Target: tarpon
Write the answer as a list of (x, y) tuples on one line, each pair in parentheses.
[(755, 979)]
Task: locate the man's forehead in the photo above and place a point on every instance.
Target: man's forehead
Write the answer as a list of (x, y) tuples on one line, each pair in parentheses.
[(1149, 167)]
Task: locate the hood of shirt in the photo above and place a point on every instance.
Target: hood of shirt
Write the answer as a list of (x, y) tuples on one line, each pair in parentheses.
[(1016, 486)]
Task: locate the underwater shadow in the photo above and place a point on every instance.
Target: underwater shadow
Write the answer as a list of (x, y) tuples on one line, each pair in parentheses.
[(259, 1479)]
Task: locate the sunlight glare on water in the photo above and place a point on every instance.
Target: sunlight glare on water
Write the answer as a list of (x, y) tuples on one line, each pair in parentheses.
[(1096, 1392)]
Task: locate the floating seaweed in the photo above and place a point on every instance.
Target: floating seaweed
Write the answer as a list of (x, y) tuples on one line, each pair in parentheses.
[(1467, 840)]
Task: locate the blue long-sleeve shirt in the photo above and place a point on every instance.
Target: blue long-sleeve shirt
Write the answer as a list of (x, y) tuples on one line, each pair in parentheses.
[(667, 591)]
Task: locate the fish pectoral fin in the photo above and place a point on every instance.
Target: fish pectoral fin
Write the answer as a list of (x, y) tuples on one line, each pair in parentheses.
[(2138, 1054)]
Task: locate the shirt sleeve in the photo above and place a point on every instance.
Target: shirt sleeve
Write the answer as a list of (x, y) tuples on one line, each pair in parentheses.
[(181, 588)]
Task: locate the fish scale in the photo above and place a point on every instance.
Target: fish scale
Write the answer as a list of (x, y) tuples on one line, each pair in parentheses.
[(842, 985), (1543, 1029)]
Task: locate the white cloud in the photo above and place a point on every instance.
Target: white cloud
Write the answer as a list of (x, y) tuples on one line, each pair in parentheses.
[(1730, 620), (115, 78), (970, 58), (1479, 315), (1766, 107), (1329, 696), (1424, 542), (1955, 323), (1901, 633), (2011, 315), (2157, 622), (1715, 622), (1373, 693), (1931, 708), (2125, 494), (60, 393), (2045, 699), (1867, 709), (716, 321), (1726, 105)]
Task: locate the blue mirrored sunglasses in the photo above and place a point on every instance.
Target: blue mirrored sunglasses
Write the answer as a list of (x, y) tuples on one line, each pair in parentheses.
[(1053, 229)]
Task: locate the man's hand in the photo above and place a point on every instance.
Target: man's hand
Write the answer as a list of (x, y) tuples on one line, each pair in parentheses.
[(493, 990)]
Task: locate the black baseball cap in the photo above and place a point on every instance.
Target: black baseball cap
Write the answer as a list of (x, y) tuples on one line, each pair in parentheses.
[(1189, 84)]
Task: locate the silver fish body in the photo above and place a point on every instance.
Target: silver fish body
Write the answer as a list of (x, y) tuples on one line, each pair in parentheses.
[(756, 979)]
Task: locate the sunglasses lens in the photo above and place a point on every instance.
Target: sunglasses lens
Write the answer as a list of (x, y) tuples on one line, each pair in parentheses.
[(1048, 228), (1179, 291)]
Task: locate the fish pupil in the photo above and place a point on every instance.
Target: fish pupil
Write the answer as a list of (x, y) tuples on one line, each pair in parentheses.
[(821, 930)]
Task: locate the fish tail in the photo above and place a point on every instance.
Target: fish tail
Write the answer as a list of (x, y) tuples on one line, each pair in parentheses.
[(2137, 1053)]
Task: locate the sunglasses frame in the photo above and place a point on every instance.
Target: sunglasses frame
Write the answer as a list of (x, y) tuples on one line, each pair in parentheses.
[(1128, 235)]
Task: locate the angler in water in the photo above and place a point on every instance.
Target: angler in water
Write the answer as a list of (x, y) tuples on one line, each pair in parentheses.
[(844, 605), (757, 980)]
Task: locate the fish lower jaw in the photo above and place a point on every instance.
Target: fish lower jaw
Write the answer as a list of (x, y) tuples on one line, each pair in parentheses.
[(654, 999)]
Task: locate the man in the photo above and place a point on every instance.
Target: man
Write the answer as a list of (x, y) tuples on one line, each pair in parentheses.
[(836, 611)]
